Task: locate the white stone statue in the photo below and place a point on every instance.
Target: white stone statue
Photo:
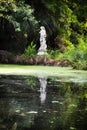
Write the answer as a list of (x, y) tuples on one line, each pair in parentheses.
[(43, 46)]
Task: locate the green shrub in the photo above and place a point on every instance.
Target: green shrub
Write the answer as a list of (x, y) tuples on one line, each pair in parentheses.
[(82, 65), (77, 55), (53, 54), (68, 53), (30, 51)]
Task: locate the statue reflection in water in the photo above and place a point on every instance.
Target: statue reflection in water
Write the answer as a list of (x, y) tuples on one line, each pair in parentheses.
[(43, 83)]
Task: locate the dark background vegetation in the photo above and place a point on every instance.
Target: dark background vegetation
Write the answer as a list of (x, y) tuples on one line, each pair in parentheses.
[(65, 22)]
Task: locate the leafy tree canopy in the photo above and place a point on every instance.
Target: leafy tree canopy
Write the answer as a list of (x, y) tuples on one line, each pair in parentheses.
[(65, 20)]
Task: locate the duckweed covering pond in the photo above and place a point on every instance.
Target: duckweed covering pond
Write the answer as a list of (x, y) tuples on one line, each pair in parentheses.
[(66, 73)]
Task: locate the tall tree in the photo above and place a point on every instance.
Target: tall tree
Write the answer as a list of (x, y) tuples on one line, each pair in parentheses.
[(18, 22)]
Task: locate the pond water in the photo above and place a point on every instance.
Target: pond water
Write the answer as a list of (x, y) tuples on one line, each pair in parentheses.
[(42, 103)]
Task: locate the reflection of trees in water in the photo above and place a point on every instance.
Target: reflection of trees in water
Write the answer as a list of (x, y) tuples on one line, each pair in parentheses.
[(74, 106), (64, 106), (67, 111)]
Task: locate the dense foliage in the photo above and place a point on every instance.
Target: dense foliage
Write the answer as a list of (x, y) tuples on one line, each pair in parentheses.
[(17, 23), (65, 22)]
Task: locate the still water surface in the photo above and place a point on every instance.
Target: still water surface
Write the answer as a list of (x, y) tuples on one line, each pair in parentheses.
[(40, 103)]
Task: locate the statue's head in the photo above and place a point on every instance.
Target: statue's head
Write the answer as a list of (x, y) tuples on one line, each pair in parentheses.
[(42, 28)]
